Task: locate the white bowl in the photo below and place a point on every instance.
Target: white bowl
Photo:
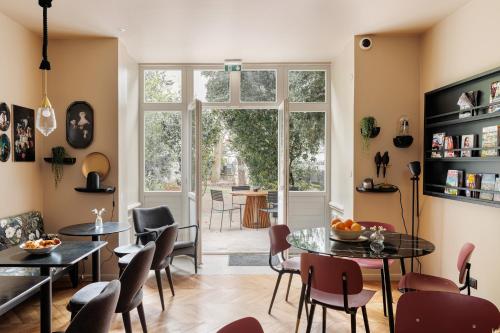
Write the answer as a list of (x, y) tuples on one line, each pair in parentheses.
[(347, 234), (44, 250)]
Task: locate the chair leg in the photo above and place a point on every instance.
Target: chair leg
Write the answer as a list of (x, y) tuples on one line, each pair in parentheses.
[(353, 322), (169, 277), (288, 288), (142, 318), (324, 320), (241, 219), (221, 219), (275, 291), (301, 304), (365, 319), (310, 319), (126, 322), (383, 292), (195, 261), (160, 288), (210, 223)]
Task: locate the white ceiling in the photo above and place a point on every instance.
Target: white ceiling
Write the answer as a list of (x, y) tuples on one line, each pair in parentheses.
[(214, 30)]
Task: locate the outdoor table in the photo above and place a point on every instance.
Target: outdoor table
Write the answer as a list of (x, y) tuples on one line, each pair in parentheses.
[(396, 246), (90, 230), (253, 217), (16, 289), (67, 254)]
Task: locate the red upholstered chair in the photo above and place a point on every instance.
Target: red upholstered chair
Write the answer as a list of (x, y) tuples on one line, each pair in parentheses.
[(423, 282), (277, 237), (243, 325), (377, 263), (332, 283), (438, 312)]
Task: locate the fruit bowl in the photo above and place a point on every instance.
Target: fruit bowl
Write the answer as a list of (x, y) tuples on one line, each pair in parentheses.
[(347, 234), (38, 247)]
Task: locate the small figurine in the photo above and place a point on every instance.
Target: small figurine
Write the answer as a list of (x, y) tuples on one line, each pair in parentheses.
[(98, 218)]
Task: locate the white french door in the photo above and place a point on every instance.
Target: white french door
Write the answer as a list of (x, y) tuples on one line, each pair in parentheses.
[(283, 161)]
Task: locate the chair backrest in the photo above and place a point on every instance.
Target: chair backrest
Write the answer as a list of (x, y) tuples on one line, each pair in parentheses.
[(217, 195), (164, 245), (151, 218), (134, 276), (277, 237), (369, 224), (243, 325), (240, 188), (272, 197), (463, 259), (96, 315), (327, 273), (436, 311)]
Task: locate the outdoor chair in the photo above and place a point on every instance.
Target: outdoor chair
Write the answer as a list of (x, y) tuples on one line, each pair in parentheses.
[(238, 204), (272, 205), (243, 325), (218, 197)]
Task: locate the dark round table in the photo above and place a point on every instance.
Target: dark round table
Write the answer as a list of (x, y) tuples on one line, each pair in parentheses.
[(396, 246), (90, 230)]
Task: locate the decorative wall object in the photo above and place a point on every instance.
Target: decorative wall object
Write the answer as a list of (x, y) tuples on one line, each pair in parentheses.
[(23, 128), (58, 156), (80, 124), (4, 117), (4, 148), (369, 130)]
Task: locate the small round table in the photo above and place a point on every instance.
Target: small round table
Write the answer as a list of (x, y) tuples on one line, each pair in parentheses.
[(397, 246), (90, 230), (253, 217)]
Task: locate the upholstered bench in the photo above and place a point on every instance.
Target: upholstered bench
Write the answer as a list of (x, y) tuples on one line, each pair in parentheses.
[(17, 229)]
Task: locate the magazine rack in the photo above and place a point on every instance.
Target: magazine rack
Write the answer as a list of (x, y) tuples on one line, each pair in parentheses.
[(442, 115)]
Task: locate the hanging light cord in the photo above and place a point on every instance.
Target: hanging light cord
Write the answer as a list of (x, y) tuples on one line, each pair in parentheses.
[(45, 64)]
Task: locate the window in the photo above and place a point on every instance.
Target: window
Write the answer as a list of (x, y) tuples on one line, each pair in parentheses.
[(307, 151), (307, 86), (162, 86), (258, 86), (162, 151), (211, 86)]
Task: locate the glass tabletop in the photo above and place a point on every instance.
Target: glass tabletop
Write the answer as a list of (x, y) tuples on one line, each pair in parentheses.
[(396, 245)]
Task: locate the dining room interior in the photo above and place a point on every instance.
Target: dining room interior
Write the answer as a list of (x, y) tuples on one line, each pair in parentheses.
[(249, 166)]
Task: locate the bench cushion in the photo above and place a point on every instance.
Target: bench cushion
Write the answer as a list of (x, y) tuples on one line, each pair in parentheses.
[(17, 229)]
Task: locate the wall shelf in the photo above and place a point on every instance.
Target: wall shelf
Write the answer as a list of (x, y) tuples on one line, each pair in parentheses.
[(66, 160), (377, 189), (103, 190)]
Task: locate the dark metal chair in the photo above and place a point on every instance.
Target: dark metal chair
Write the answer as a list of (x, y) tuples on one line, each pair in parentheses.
[(161, 260), (217, 196), (96, 315), (132, 280), (237, 204), (156, 219), (277, 237), (332, 283), (272, 205), (437, 312), (243, 325)]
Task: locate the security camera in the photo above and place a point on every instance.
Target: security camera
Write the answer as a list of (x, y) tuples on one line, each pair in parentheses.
[(365, 43)]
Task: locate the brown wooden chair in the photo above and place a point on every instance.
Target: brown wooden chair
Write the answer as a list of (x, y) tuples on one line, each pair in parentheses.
[(243, 325)]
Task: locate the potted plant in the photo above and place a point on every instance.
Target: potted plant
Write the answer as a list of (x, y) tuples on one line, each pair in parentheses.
[(58, 155), (369, 130)]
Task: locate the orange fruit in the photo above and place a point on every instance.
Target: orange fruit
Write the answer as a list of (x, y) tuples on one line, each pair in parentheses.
[(340, 226), (334, 221), (348, 223), (355, 227)]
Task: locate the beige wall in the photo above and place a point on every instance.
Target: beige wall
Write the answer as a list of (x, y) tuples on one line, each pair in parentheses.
[(83, 70), (446, 58), (20, 84), (342, 127)]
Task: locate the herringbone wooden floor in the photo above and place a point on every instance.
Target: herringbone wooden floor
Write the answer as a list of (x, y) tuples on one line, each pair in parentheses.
[(203, 304)]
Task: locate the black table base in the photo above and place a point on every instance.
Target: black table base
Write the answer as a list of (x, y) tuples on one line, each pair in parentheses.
[(46, 302), (96, 262)]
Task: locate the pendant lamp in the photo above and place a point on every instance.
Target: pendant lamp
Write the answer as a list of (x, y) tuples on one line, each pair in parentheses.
[(45, 116)]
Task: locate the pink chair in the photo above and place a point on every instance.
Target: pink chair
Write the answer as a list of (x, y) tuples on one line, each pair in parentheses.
[(244, 325), (438, 312), (332, 283), (279, 244), (423, 282), (378, 263)]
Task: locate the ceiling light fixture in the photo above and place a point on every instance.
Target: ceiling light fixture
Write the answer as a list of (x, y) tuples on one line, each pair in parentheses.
[(45, 116)]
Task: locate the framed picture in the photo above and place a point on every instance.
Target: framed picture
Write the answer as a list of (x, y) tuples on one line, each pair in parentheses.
[(23, 128), (79, 124), (494, 96), (4, 117), (4, 148)]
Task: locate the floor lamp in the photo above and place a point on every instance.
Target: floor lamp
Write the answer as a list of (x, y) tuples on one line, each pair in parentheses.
[(415, 173)]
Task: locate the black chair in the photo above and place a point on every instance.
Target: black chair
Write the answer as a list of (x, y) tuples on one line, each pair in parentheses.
[(156, 219), (237, 204), (217, 196), (132, 280), (161, 260), (96, 315), (272, 205)]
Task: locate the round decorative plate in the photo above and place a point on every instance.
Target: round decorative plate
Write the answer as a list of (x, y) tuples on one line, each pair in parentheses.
[(4, 117), (361, 239), (96, 162), (4, 148)]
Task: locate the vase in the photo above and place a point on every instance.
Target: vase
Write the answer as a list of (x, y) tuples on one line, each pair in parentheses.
[(377, 241), (98, 222)]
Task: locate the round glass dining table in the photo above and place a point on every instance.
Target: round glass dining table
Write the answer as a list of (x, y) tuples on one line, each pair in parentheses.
[(396, 246)]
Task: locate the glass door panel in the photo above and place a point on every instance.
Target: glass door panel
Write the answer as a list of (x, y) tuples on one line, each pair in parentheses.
[(283, 167), (194, 172)]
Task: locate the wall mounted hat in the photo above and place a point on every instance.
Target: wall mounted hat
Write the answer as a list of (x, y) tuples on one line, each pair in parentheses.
[(96, 162)]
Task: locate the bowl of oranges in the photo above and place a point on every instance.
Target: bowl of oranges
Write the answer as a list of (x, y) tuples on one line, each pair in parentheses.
[(346, 230)]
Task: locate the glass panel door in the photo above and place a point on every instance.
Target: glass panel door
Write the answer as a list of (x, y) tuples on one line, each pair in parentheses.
[(283, 167), (194, 172)]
